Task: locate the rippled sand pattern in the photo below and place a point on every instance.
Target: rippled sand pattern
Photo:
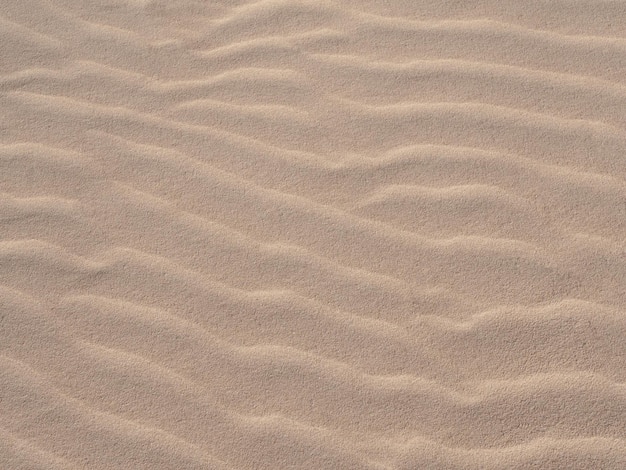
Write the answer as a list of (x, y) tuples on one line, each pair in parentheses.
[(350, 234)]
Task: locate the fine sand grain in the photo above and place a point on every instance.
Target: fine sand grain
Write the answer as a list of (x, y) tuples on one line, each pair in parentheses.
[(317, 235)]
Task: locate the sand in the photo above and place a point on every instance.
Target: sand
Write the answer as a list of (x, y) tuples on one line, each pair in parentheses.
[(291, 234)]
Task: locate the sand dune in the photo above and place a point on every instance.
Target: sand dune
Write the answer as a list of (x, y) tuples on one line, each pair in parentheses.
[(316, 235)]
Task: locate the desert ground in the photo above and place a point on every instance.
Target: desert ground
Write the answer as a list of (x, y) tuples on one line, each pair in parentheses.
[(316, 235)]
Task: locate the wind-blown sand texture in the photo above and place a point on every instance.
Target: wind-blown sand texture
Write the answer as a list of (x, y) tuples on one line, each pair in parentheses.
[(289, 234)]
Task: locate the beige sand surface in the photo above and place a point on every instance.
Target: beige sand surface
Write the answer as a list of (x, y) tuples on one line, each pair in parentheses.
[(291, 234)]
